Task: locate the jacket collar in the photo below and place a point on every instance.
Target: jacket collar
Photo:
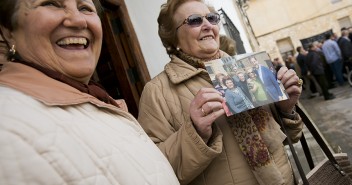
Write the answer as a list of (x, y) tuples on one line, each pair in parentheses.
[(179, 71), (43, 88)]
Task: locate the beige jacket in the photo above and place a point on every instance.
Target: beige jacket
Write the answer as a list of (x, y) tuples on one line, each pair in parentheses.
[(164, 115), (51, 134)]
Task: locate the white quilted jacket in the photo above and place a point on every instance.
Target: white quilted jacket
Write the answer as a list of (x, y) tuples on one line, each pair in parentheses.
[(50, 134)]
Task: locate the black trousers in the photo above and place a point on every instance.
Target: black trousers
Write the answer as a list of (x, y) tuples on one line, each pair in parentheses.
[(321, 79)]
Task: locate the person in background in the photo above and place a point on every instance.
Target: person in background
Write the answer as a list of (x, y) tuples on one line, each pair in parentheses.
[(345, 45), (58, 127), (335, 37), (290, 63), (333, 57), (350, 33), (227, 45), (316, 67), (182, 112), (308, 79), (277, 64), (327, 68)]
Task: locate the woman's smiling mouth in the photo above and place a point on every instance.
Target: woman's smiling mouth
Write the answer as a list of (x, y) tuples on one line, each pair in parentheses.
[(73, 43)]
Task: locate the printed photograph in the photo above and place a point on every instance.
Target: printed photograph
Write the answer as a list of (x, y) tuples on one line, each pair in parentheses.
[(246, 81)]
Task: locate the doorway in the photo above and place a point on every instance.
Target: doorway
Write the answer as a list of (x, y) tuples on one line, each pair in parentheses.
[(121, 69)]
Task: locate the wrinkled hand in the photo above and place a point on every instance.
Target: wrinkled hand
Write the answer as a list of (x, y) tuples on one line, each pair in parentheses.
[(205, 108), (289, 79)]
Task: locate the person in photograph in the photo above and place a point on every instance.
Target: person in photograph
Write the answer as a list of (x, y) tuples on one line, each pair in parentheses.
[(268, 79), (257, 89), (182, 112), (242, 83), (233, 72), (57, 126), (236, 99), (221, 87)]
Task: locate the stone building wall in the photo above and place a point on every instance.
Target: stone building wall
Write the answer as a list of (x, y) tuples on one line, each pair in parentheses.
[(288, 22), (296, 32)]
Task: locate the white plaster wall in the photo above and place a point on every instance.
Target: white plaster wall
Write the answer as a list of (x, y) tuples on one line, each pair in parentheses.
[(144, 14)]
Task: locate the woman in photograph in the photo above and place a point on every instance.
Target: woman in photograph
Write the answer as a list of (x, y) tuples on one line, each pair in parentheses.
[(235, 97), (257, 89)]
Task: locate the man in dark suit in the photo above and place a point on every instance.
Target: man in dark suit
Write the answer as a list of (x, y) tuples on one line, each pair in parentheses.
[(350, 33), (345, 45), (308, 78), (316, 67), (268, 79)]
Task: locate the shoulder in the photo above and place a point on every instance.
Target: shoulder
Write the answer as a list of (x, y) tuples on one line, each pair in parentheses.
[(159, 83)]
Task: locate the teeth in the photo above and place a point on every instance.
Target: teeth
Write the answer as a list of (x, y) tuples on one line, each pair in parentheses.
[(206, 38), (68, 41)]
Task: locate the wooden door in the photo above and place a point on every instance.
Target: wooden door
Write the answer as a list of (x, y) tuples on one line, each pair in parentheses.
[(121, 69)]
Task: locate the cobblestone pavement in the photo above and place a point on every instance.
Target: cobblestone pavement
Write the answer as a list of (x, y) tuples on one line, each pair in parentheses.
[(333, 118)]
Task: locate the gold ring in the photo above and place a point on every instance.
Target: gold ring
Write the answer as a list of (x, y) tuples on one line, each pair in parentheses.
[(300, 83), (204, 114)]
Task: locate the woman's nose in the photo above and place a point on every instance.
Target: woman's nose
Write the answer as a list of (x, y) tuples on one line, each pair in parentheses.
[(75, 19), (206, 24)]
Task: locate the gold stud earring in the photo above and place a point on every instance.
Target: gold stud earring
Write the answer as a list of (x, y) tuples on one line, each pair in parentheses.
[(12, 53), (12, 50)]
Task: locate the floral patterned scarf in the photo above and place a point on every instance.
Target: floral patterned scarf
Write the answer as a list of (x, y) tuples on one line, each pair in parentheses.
[(252, 132)]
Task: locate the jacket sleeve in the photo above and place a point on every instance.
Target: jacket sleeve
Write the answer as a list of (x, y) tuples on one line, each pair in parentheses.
[(293, 123), (175, 135), (293, 127)]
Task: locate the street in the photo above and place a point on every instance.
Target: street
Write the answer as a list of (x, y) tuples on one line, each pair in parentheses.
[(333, 118)]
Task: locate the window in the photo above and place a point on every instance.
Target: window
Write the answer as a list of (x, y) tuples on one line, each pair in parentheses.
[(232, 31), (285, 47), (345, 22)]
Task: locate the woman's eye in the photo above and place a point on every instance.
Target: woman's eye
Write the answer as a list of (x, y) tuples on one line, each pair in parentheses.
[(86, 9), (50, 3)]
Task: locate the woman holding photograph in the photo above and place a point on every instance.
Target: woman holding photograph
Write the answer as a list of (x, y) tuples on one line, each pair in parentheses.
[(182, 112)]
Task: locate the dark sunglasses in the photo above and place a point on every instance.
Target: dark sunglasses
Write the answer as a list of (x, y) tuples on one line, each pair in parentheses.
[(196, 20)]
